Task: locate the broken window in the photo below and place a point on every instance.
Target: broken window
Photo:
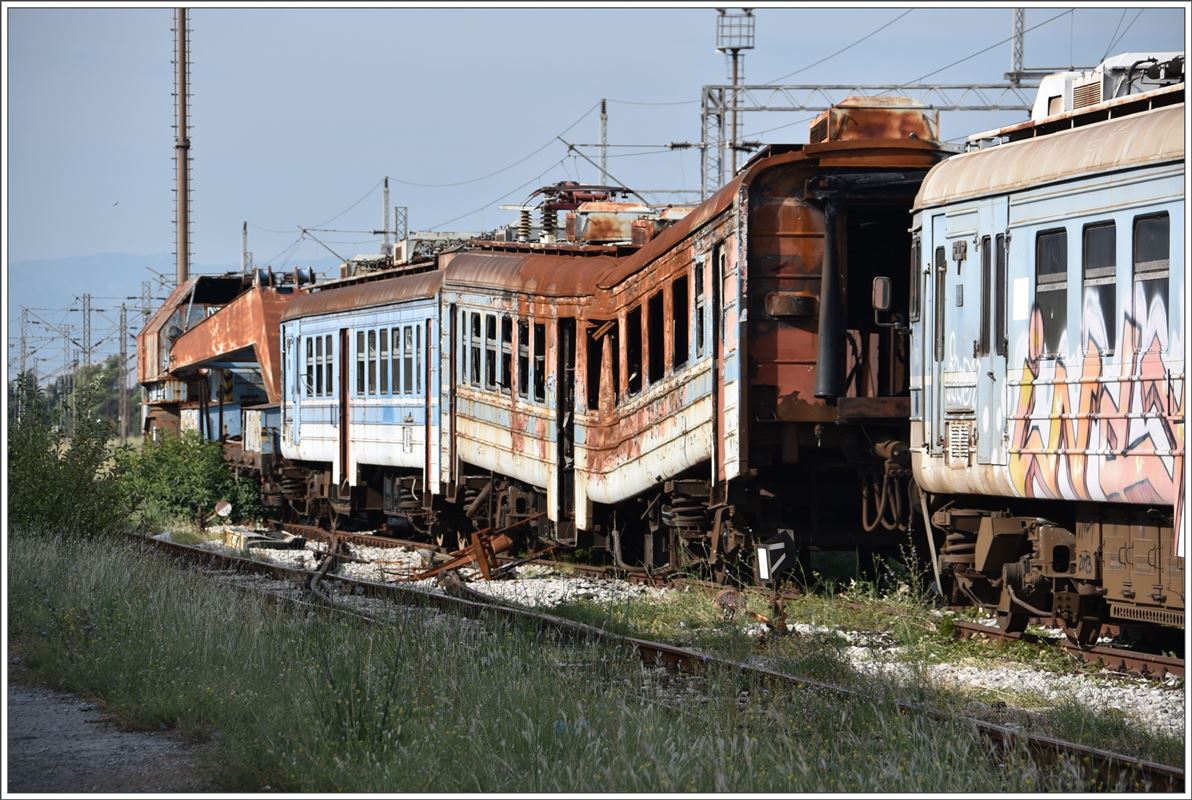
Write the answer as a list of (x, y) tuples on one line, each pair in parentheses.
[(506, 353), (310, 366), (359, 363), (633, 349), (699, 308), (318, 366), (1100, 286), (598, 330), (540, 362), (1152, 259), (657, 351), (999, 294), (418, 360), (327, 365), (407, 360), (383, 364), (475, 349), (1051, 286), (372, 362), (523, 358), (679, 322), (941, 274), (395, 360), (490, 351)]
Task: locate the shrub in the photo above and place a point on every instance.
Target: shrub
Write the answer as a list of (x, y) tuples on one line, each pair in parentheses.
[(60, 483)]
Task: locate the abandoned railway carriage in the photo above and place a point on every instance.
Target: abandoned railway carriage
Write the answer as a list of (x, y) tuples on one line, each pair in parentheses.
[(669, 398), (1048, 387)]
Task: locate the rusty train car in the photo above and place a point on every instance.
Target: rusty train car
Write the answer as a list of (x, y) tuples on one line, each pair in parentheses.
[(1047, 337), (669, 390)]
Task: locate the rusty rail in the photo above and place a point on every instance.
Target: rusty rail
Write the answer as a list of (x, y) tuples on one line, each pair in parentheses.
[(1149, 665), (1112, 768)]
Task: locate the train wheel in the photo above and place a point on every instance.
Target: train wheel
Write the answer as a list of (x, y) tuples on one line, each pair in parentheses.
[(1012, 622)]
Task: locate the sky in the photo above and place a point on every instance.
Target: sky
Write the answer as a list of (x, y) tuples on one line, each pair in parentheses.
[(298, 113)]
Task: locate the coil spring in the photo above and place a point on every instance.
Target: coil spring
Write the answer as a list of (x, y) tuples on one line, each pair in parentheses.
[(685, 511), (959, 544), (407, 501)]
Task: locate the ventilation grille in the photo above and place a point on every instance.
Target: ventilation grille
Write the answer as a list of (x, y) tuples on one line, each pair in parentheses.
[(959, 443), (1087, 94), (819, 130), (1162, 616)]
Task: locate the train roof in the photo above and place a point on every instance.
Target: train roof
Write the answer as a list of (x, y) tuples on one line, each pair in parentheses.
[(1137, 140), (420, 286)]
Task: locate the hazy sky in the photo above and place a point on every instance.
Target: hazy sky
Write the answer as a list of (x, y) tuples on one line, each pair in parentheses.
[(298, 113)]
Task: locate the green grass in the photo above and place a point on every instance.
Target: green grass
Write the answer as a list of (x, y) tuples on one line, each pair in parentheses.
[(304, 701)]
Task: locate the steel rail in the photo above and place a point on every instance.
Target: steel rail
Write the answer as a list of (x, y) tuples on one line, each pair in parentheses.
[(1114, 770)]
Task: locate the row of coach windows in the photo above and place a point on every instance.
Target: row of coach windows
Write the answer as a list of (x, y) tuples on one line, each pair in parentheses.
[(318, 366), (389, 361), (486, 352), (645, 342), (1150, 257)]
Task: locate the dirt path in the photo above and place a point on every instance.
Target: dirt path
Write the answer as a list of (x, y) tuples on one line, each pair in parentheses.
[(58, 742)]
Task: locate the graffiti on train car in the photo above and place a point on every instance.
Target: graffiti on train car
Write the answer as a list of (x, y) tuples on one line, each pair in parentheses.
[(1110, 433)]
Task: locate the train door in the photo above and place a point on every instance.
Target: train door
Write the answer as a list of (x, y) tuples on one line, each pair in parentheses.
[(991, 342), (717, 365), (935, 348), (455, 327), (427, 439), (344, 384), (292, 409), (565, 435)]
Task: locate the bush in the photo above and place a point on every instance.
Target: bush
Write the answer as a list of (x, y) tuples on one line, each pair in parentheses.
[(59, 483), (182, 476)]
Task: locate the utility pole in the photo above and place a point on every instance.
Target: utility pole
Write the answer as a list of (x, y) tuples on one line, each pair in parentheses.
[(245, 256), (734, 33), (1019, 23), (385, 220), (181, 147), (123, 373), (86, 330), (604, 141), (24, 340), (146, 303)]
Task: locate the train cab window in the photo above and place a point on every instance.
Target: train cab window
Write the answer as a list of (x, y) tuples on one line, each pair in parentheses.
[(327, 386), (490, 351), (359, 363), (679, 322), (506, 376), (1051, 286), (372, 362), (318, 366), (633, 349), (1100, 285), (407, 360), (383, 363), (916, 278), (986, 279), (418, 360), (474, 350), (699, 308), (540, 362), (523, 359), (310, 367), (657, 350), (999, 294), (1152, 259), (597, 331), (941, 274)]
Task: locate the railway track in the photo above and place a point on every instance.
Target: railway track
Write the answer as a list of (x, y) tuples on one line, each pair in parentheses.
[(1151, 665), (1113, 770)]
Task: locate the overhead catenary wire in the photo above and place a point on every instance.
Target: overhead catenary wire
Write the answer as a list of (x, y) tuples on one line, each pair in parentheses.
[(1123, 34), (1113, 36), (844, 49), (499, 199)]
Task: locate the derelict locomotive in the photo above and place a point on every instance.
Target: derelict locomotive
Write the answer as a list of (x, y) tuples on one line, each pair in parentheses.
[(718, 385)]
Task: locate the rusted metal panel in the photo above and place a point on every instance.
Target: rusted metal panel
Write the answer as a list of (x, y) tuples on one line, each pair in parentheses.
[(871, 118), (369, 294), (147, 340), (1149, 137), (248, 328)]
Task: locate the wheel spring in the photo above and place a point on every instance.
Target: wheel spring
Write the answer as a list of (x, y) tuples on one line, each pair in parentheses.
[(685, 513)]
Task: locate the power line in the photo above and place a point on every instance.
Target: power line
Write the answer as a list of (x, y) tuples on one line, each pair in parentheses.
[(653, 102), (1127, 30), (1113, 36), (869, 35), (502, 197), (349, 208)]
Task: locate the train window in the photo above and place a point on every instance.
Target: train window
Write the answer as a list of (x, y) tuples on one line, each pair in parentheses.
[(633, 349), (359, 362), (680, 325), (1100, 285), (395, 359), (310, 367), (1152, 259), (941, 274), (523, 358), (490, 351), (327, 365), (1051, 286), (916, 254), (540, 362), (986, 278), (407, 360), (474, 350), (506, 376), (318, 365), (699, 308), (372, 362), (418, 360), (383, 364), (462, 345), (597, 332), (657, 350), (999, 294)]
